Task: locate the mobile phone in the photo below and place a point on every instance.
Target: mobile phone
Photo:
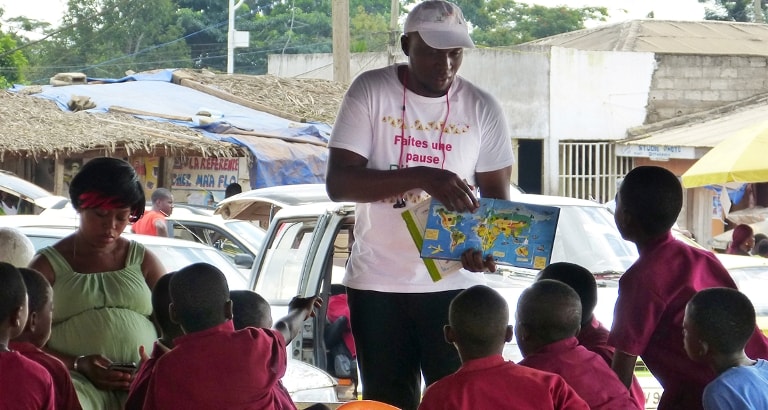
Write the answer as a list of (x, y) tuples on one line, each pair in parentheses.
[(128, 367)]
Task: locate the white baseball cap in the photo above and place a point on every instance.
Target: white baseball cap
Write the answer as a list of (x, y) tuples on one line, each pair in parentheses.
[(440, 24)]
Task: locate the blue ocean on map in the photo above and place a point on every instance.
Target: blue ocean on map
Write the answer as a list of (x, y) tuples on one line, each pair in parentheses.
[(514, 233)]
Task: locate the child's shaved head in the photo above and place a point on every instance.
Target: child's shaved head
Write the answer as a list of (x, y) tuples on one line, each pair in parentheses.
[(199, 294), (579, 279), (550, 310), (479, 318), (250, 309), (13, 295)]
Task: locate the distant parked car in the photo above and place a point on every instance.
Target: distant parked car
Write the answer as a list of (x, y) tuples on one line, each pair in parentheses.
[(22, 197), (174, 254), (239, 240)]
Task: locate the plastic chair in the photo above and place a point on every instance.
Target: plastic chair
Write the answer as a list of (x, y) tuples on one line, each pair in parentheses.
[(366, 405)]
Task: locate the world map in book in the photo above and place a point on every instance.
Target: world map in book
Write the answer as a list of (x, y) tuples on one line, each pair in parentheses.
[(514, 233)]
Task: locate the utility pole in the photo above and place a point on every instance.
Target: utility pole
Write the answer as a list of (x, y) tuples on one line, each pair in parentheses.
[(758, 9), (394, 14), (340, 21), (234, 38)]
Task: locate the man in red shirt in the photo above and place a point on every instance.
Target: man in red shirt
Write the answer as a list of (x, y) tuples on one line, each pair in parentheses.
[(24, 384), (478, 329), (36, 334), (153, 221), (593, 335), (548, 319), (648, 318), (213, 365)]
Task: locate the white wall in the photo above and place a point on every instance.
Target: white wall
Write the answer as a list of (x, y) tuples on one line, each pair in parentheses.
[(320, 65), (519, 80), (597, 95)]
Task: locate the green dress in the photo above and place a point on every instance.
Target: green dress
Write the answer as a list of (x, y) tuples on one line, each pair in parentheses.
[(101, 313)]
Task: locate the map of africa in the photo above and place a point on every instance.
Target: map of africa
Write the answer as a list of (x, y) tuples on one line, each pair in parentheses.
[(514, 233)]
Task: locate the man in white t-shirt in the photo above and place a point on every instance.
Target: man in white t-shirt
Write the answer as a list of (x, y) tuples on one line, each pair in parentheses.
[(403, 133)]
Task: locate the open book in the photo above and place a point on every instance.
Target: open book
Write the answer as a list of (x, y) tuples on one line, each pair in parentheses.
[(514, 233)]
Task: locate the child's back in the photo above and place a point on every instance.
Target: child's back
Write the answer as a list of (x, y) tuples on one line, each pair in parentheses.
[(36, 334), (648, 317), (548, 319), (478, 329), (161, 300), (212, 365), (592, 335), (718, 322), (24, 384)]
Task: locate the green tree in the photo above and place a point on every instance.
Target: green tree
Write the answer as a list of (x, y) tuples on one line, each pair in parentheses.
[(12, 60), (732, 10), (506, 22), (105, 38)]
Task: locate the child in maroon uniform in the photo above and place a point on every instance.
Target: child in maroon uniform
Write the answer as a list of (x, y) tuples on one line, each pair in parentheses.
[(592, 335), (250, 309), (653, 292), (24, 384), (548, 319), (214, 366), (478, 329), (36, 334), (161, 300)]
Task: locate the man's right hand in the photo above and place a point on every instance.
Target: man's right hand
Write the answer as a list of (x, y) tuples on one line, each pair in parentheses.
[(445, 186)]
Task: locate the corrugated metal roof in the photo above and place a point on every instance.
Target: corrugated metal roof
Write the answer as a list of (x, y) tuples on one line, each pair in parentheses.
[(667, 37), (705, 134)]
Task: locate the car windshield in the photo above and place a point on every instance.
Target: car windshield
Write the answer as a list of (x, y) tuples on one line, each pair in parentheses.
[(248, 231), (753, 282), (587, 235), (174, 258), (281, 272)]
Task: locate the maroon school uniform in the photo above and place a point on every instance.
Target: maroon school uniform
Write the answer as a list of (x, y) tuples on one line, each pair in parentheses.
[(24, 384), (493, 383), (221, 368), (65, 397), (594, 337), (138, 390), (649, 316), (585, 371)]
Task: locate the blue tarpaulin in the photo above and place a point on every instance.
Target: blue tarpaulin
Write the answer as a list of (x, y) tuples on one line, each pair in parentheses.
[(293, 153)]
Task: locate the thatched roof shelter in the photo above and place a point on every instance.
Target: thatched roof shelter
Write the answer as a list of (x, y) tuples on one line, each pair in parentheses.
[(307, 99), (35, 127)]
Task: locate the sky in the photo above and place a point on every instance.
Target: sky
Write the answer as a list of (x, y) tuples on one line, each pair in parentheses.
[(620, 10)]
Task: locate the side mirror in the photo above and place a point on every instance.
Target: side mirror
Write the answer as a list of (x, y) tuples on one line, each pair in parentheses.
[(244, 260)]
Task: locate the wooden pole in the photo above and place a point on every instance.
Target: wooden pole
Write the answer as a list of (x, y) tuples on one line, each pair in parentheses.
[(393, 30), (759, 17), (340, 20)]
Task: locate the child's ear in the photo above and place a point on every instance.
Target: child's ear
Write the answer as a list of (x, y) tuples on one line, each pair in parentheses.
[(17, 317), (509, 334), (228, 310), (32, 322), (450, 337), (172, 314)]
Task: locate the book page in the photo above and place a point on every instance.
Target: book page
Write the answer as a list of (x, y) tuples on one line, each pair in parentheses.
[(513, 233), (415, 220)]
